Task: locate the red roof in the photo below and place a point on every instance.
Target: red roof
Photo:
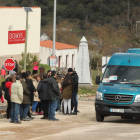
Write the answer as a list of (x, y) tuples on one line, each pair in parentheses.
[(59, 46)]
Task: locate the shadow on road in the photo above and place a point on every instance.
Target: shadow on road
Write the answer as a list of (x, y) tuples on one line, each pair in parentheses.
[(130, 121)]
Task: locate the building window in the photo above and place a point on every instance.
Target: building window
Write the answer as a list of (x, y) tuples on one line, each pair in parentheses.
[(59, 61)]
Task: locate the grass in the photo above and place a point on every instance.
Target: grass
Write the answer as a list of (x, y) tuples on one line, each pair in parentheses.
[(85, 90), (91, 89), (1, 80)]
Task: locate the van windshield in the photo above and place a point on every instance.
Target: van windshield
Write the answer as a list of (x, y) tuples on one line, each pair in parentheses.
[(122, 74)]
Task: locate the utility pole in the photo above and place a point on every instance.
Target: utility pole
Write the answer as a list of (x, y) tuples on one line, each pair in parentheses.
[(53, 65), (25, 51), (27, 10)]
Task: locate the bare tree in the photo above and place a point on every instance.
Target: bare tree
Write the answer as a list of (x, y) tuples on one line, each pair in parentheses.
[(110, 37), (64, 33)]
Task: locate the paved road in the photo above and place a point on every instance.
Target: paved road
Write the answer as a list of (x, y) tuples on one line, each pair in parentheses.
[(80, 127)]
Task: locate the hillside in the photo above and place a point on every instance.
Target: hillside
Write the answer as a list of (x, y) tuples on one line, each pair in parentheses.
[(95, 11), (107, 21)]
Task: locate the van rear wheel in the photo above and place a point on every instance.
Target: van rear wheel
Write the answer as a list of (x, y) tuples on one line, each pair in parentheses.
[(99, 117)]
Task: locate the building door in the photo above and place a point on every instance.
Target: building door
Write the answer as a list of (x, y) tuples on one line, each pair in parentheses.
[(59, 61)]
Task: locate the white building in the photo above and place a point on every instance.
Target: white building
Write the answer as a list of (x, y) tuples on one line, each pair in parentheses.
[(12, 25), (105, 60), (66, 54)]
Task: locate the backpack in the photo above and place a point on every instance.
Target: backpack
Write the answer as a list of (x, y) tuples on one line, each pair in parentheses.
[(3, 86), (7, 94)]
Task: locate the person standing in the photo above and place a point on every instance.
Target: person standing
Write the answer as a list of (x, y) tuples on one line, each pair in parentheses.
[(25, 106), (75, 89), (35, 67), (31, 88), (36, 96), (39, 106), (3, 71), (43, 96), (16, 66), (48, 73), (67, 93), (53, 94), (16, 100), (8, 85)]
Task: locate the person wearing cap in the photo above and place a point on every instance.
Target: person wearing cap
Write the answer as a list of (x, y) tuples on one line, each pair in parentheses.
[(75, 89), (53, 95)]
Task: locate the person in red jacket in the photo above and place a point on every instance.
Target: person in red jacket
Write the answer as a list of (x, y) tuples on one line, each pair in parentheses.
[(8, 86)]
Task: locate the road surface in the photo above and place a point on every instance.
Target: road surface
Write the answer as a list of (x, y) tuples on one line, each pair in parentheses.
[(80, 127)]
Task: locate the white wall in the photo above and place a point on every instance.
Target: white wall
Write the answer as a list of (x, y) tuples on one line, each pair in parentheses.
[(17, 18), (105, 61), (45, 53)]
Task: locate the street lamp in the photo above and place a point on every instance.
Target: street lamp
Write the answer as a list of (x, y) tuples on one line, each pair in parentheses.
[(53, 65), (27, 10), (137, 27)]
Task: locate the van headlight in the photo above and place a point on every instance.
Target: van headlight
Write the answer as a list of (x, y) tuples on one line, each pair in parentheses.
[(137, 98), (99, 95)]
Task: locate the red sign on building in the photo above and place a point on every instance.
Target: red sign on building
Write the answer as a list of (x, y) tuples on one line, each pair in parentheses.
[(16, 37), (9, 64)]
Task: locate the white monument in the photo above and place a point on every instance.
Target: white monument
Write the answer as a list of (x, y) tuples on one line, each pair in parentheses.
[(44, 37), (83, 63)]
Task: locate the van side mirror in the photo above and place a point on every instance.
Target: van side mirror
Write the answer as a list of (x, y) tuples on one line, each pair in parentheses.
[(97, 80)]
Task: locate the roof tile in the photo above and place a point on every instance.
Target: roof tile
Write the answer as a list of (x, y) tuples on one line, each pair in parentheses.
[(59, 46)]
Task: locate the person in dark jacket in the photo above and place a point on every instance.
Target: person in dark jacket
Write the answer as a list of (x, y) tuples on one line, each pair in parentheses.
[(16, 66), (43, 96), (39, 107), (25, 106), (48, 73), (75, 89), (53, 95), (32, 91), (30, 85)]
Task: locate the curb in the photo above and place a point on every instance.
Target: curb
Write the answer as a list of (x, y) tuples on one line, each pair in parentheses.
[(86, 99)]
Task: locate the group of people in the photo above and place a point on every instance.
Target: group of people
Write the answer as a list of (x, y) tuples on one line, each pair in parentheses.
[(27, 95)]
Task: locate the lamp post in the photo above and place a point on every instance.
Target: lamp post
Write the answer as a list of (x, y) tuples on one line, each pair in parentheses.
[(137, 28), (27, 10), (53, 61)]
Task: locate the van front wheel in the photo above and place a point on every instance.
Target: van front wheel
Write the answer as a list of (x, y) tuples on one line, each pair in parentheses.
[(99, 118), (126, 117)]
